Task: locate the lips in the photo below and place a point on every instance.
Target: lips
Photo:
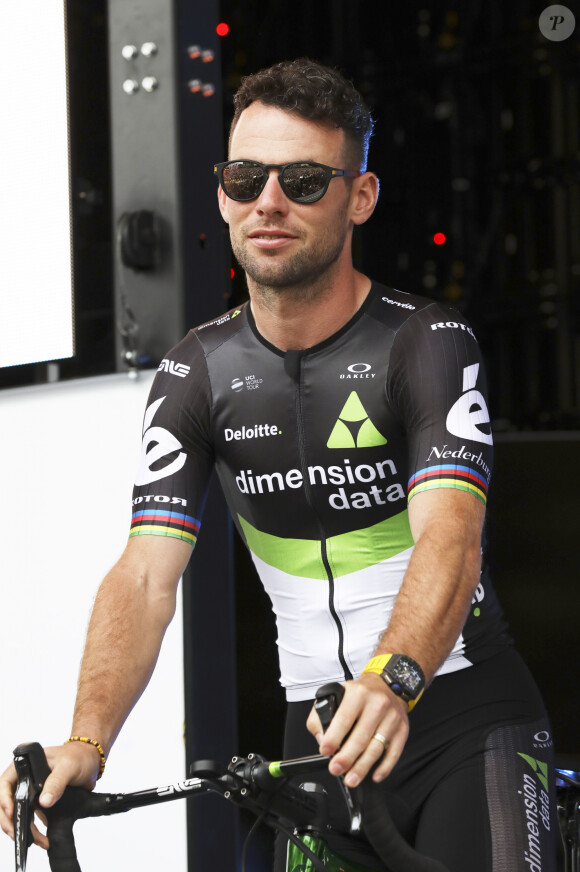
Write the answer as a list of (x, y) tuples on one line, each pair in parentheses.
[(270, 238), (270, 234)]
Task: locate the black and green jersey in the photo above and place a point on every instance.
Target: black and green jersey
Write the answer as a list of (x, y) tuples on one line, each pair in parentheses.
[(318, 453)]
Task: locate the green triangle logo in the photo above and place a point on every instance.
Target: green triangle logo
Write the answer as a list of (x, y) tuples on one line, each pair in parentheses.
[(354, 428), (539, 767)]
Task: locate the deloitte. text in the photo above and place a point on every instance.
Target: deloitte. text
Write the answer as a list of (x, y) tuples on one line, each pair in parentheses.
[(256, 432)]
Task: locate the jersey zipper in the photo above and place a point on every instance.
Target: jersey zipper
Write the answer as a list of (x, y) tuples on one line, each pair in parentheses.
[(331, 586)]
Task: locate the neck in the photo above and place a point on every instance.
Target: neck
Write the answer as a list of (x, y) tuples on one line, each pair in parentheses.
[(300, 318)]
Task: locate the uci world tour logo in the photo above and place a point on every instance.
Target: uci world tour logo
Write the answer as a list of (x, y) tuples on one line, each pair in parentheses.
[(354, 428)]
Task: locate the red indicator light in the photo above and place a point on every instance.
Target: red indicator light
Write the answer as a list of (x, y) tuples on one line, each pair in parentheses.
[(439, 239), (222, 29), (232, 273)]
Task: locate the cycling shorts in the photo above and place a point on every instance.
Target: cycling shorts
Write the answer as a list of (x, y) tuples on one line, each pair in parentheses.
[(475, 785)]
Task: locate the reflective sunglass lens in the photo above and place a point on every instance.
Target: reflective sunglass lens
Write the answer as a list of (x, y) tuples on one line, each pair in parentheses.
[(305, 184), (243, 181)]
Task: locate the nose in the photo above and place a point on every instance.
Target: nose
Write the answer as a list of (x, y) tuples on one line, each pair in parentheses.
[(272, 199)]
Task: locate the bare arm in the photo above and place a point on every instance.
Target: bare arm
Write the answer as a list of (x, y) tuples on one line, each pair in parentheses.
[(439, 584), (134, 605), (133, 608), (428, 616)]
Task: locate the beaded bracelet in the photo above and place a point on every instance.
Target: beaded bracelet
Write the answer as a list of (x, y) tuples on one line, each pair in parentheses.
[(96, 745)]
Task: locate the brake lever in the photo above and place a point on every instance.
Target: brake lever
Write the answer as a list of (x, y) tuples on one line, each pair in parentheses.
[(328, 699), (22, 812), (32, 771)]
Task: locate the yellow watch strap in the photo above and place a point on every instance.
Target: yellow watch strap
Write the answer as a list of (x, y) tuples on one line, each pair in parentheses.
[(377, 664), (413, 702)]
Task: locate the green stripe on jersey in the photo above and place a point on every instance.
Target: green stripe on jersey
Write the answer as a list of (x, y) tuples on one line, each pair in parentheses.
[(347, 552), (301, 557), (360, 549)]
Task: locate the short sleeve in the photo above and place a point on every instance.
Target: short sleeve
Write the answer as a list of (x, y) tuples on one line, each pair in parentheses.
[(176, 452), (438, 387)]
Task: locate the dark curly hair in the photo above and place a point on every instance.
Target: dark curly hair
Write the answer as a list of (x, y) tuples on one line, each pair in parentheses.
[(315, 92)]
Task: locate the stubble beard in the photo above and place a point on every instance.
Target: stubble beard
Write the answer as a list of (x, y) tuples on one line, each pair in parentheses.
[(304, 276)]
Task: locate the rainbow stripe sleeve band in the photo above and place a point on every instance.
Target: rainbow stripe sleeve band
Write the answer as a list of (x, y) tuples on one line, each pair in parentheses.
[(461, 477), (159, 522)]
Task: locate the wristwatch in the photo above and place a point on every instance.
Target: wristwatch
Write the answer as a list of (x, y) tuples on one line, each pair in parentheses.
[(403, 675)]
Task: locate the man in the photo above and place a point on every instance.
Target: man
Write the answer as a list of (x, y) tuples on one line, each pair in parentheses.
[(349, 426)]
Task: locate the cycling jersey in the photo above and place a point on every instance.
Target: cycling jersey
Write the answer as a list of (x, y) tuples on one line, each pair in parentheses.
[(318, 453)]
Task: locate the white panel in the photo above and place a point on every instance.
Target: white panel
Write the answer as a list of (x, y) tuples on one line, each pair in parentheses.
[(69, 454), (35, 255)]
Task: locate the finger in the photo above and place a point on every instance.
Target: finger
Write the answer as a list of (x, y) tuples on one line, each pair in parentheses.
[(375, 750), (6, 822), (357, 760), (54, 786), (391, 757), (7, 786), (366, 713), (343, 721), (314, 726), (39, 837), (77, 765), (388, 763), (380, 750)]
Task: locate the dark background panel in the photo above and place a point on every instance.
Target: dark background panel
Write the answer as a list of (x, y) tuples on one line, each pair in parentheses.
[(477, 137), (535, 556)]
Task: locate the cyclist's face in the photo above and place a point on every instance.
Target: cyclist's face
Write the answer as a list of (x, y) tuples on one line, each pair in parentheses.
[(280, 243)]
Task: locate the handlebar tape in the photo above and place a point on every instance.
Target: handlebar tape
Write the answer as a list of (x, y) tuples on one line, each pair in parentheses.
[(386, 839), (75, 803)]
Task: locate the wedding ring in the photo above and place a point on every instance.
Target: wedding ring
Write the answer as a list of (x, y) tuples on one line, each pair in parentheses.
[(382, 739)]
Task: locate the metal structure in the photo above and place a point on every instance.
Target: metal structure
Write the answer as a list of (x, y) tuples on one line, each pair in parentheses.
[(171, 263)]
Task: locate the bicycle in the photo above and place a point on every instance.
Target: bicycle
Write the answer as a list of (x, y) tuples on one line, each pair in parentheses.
[(267, 789)]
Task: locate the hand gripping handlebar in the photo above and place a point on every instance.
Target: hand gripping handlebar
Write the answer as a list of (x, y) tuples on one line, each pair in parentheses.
[(262, 787), (32, 769), (368, 801)]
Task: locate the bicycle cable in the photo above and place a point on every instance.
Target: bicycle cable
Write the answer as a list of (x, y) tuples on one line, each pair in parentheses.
[(251, 832), (270, 820)]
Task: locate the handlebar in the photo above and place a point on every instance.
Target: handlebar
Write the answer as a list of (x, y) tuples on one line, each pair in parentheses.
[(251, 782)]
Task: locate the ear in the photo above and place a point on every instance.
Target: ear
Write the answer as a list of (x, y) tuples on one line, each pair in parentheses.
[(365, 193), (223, 203)]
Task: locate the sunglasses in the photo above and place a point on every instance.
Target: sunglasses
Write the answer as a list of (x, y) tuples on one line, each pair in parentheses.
[(302, 182)]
